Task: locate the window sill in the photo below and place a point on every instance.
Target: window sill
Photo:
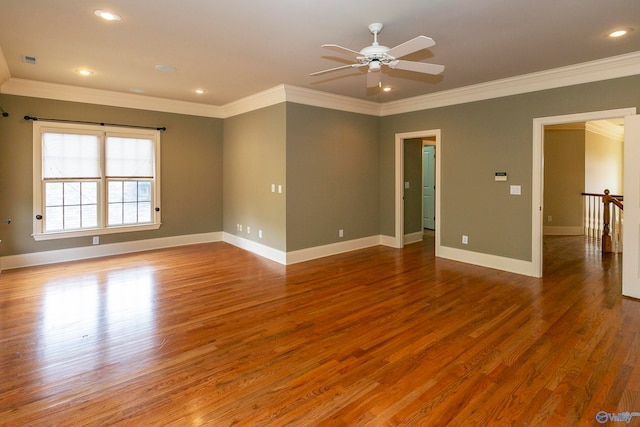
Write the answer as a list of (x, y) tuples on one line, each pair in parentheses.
[(94, 232)]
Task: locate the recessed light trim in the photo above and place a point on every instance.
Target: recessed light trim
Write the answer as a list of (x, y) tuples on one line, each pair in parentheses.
[(84, 72), (387, 89), (165, 68), (200, 91), (620, 33), (137, 90), (106, 15)]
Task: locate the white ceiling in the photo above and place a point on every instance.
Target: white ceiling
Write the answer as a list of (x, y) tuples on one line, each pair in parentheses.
[(236, 48)]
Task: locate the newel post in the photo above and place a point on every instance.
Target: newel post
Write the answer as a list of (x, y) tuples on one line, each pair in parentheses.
[(606, 238)]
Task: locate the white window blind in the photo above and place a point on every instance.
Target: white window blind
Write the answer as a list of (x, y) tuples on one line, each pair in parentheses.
[(129, 157), (70, 156)]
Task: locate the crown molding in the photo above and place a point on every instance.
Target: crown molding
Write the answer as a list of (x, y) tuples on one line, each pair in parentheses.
[(587, 72), (327, 100), (266, 98), (60, 92), (603, 69), (606, 129)]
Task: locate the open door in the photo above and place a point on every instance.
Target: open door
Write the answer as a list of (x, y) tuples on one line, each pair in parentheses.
[(428, 187), (631, 233)]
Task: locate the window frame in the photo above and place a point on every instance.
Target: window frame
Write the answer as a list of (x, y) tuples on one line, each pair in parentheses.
[(39, 128)]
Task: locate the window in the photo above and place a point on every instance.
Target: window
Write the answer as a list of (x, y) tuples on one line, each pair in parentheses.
[(92, 180)]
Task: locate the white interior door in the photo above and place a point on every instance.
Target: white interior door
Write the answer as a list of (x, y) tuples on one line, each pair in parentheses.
[(631, 232), (428, 187)]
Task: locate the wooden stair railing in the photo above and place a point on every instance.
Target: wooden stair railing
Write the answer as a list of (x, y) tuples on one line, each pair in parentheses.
[(607, 199)]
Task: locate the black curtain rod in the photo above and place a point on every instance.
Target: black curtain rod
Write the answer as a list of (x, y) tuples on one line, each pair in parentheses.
[(93, 123)]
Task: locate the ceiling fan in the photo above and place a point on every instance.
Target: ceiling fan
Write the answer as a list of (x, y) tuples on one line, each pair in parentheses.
[(376, 55)]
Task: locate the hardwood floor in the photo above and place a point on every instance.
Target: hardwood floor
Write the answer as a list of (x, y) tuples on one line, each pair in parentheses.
[(213, 335)]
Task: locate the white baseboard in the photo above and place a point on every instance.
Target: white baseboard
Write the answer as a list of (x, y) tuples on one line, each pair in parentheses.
[(96, 251), (563, 230), (491, 261), (413, 237), (331, 249), (256, 248), (281, 257)]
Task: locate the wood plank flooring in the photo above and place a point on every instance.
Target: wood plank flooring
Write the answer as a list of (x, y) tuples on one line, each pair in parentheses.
[(213, 335)]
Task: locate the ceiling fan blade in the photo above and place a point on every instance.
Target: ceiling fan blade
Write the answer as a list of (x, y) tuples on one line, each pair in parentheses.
[(418, 67), (341, 49), (413, 45), (374, 78), (337, 68)]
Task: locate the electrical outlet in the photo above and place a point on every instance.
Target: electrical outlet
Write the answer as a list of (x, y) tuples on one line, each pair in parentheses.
[(248, 230), (96, 240), (465, 240), (549, 218), (260, 234), (341, 233)]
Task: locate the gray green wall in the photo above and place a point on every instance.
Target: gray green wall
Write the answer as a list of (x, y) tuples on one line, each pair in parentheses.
[(336, 169), (413, 195), (332, 176), (254, 159), (484, 137), (191, 171)]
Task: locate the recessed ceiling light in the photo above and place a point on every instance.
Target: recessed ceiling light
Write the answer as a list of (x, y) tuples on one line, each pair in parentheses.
[(84, 72), (166, 68), (137, 90), (620, 33), (387, 89), (106, 15), (200, 91)]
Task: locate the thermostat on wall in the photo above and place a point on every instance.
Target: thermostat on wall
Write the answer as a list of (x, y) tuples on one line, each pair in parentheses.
[(501, 176)]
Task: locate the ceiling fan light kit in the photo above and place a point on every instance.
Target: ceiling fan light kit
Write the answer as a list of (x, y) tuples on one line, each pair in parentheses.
[(377, 55)]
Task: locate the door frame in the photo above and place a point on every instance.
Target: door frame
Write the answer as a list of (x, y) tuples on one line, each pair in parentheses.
[(537, 193), (399, 182)]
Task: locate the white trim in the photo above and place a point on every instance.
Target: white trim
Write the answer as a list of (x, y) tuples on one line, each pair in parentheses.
[(537, 190), (412, 237), (606, 129), (399, 183), (89, 232), (61, 92), (601, 69), (487, 260), (308, 254), (302, 255), (96, 251), (566, 230), (255, 248), (266, 98), (388, 241), (326, 100)]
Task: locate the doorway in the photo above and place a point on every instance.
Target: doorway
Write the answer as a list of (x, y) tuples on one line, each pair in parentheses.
[(433, 136), (538, 172)]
